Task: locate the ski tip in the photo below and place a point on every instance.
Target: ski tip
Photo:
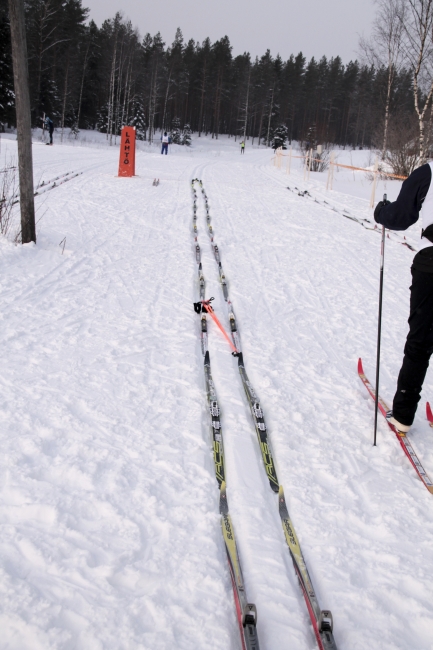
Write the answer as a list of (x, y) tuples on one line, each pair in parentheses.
[(360, 367), (429, 413), (274, 484)]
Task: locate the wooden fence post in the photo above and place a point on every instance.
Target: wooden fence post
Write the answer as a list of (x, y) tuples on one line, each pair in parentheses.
[(373, 189), (330, 172), (289, 161)]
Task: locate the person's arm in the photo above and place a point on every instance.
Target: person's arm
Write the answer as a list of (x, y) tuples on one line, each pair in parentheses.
[(404, 212)]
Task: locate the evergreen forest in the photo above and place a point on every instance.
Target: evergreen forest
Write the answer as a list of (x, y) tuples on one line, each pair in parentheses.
[(89, 77)]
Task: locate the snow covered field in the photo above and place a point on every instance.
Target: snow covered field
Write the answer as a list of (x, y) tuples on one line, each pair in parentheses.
[(110, 533)]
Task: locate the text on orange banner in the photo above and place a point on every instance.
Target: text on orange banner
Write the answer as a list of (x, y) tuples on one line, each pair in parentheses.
[(127, 151)]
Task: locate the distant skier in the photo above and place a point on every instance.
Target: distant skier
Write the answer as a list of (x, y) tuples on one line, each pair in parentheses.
[(50, 127), (242, 146), (165, 142), (416, 193)]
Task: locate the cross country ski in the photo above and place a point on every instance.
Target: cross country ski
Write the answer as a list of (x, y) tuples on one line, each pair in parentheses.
[(321, 620), (429, 414), (246, 612), (401, 436)]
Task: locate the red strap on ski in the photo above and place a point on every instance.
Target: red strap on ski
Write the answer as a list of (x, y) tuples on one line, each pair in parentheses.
[(212, 314)]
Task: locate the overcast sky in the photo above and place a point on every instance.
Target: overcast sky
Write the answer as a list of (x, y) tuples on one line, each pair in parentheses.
[(316, 27)]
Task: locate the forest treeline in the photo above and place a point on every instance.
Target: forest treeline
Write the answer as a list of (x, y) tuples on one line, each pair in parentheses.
[(85, 76)]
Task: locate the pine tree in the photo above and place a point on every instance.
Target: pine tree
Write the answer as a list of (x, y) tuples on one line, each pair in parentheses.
[(311, 139), (279, 137), (139, 121), (186, 135), (176, 134), (74, 129), (7, 95), (102, 120), (77, 72)]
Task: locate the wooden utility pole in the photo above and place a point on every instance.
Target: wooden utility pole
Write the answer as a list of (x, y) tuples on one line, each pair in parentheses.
[(24, 130)]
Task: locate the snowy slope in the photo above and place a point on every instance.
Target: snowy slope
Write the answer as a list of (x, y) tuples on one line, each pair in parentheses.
[(109, 504)]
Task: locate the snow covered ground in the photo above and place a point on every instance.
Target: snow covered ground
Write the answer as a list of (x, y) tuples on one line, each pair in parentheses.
[(110, 533)]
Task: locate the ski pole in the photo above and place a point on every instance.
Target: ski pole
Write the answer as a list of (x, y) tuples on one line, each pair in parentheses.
[(379, 329)]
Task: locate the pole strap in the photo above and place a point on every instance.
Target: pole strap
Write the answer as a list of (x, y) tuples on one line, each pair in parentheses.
[(212, 314)]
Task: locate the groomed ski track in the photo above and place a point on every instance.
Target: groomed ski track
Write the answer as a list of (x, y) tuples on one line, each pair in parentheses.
[(109, 502)]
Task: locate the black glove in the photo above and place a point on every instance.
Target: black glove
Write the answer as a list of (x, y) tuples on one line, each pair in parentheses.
[(200, 308), (378, 208)]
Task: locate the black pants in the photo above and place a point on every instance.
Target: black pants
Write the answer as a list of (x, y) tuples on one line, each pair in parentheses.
[(51, 135), (418, 348)]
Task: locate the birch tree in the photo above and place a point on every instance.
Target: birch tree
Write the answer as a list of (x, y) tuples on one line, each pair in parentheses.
[(417, 24), (385, 49)]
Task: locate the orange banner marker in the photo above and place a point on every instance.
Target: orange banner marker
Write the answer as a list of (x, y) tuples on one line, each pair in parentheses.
[(212, 314), (127, 152)]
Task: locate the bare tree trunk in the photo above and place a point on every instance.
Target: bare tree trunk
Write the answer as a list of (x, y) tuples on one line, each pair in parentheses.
[(80, 100), (153, 97), (200, 119), (385, 46), (215, 114), (39, 78), (269, 119), (119, 90), (254, 127), (150, 108), (346, 131), (429, 126), (246, 102), (111, 92), (261, 122), (166, 100), (124, 116), (387, 103), (24, 130), (416, 19), (185, 112), (129, 99), (65, 93), (420, 111), (152, 112), (217, 121)]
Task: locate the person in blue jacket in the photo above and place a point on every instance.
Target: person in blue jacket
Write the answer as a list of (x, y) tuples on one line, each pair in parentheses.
[(50, 128)]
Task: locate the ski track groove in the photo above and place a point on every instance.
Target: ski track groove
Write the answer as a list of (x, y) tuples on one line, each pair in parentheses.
[(241, 448)]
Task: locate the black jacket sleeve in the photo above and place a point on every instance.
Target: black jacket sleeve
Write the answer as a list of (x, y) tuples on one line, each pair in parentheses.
[(404, 212)]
